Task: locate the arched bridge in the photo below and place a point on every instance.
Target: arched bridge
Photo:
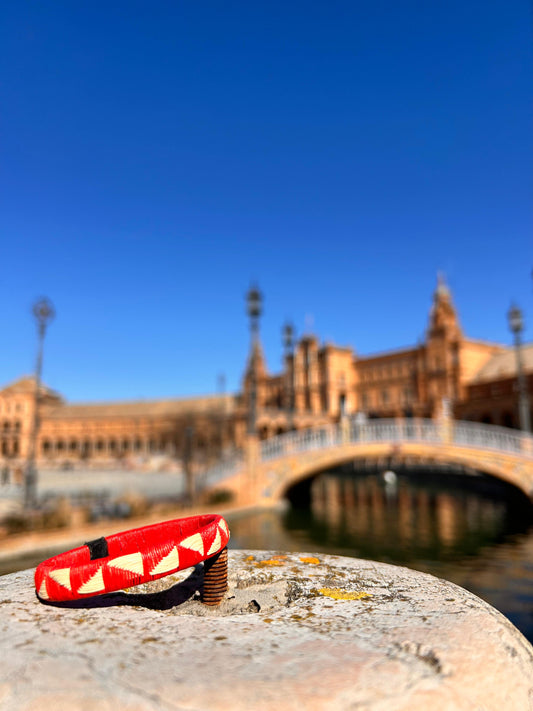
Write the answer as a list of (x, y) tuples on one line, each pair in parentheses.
[(264, 472)]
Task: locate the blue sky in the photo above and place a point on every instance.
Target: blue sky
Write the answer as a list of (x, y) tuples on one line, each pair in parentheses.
[(157, 157)]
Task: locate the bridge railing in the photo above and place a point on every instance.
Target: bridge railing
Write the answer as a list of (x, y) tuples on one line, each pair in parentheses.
[(350, 432), (473, 434), (220, 471), (454, 433), (302, 441), (461, 434)]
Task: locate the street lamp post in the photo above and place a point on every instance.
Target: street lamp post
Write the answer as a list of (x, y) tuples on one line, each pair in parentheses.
[(221, 428), (516, 325), (288, 342), (254, 301), (188, 465), (43, 312)]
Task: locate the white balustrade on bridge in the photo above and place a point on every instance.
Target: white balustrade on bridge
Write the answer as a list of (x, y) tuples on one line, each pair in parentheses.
[(472, 434), (460, 434)]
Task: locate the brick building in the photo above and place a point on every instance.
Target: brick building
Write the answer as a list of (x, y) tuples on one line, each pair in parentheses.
[(327, 381), (320, 383)]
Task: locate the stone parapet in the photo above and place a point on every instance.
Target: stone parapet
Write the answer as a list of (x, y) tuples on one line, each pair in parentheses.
[(293, 632)]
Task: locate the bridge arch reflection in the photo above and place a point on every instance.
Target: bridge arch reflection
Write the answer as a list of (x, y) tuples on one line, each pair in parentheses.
[(435, 516)]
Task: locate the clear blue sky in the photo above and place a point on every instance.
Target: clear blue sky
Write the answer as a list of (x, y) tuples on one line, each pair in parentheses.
[(157, 157)]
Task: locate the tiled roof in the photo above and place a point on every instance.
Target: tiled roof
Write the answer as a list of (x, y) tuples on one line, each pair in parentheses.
[(144, 408), (503, 365), (25, 385)]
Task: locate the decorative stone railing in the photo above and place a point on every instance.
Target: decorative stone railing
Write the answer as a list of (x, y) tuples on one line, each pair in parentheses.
[(461, 434), (472, 435)]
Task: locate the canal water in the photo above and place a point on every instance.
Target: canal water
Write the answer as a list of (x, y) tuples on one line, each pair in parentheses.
[(472, 530)]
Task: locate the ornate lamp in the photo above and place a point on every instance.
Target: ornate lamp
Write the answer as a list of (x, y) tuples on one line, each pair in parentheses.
[(516, 325), (254, 302), (43, 312), (288, 343)]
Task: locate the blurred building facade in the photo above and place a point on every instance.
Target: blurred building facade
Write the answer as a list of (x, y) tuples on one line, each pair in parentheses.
[(197, 428), (320, 383)]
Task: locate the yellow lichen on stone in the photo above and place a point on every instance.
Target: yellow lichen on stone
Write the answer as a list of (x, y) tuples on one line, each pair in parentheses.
[(250, 557), (338, 594), (269, 562), (310, 560)]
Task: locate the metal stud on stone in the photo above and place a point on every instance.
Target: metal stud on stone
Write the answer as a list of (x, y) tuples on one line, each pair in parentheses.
[(215, 578)]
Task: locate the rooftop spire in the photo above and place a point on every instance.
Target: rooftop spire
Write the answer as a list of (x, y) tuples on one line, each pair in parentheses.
[(443, 318), (442, 291)]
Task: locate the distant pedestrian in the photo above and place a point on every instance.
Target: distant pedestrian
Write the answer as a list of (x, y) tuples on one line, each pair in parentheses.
[(5, 475)]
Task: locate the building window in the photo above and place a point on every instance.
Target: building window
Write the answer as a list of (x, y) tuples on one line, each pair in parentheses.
[(385, 397), (73, 446)]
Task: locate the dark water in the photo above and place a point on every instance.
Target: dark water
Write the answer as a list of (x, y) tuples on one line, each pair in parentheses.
[(474, 531)]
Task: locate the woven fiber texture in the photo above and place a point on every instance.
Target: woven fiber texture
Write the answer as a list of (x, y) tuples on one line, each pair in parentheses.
[(132, 557)]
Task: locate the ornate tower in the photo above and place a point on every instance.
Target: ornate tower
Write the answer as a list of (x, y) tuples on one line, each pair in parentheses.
[(442, 350), (443, 319)]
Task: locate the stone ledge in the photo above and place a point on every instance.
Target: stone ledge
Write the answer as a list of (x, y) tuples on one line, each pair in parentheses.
[(295, 631)]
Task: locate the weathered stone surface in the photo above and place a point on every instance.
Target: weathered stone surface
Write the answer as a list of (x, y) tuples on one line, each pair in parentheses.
[(294, 632)]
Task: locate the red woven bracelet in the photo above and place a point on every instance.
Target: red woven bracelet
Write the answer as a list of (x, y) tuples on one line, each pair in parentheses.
[(131, 557)]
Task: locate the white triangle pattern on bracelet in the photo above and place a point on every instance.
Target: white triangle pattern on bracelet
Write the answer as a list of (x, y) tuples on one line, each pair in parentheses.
[(133, 563), (194, 543), (215, 546), (62, 576), (170, 562), (43, 592), (93, 585)]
